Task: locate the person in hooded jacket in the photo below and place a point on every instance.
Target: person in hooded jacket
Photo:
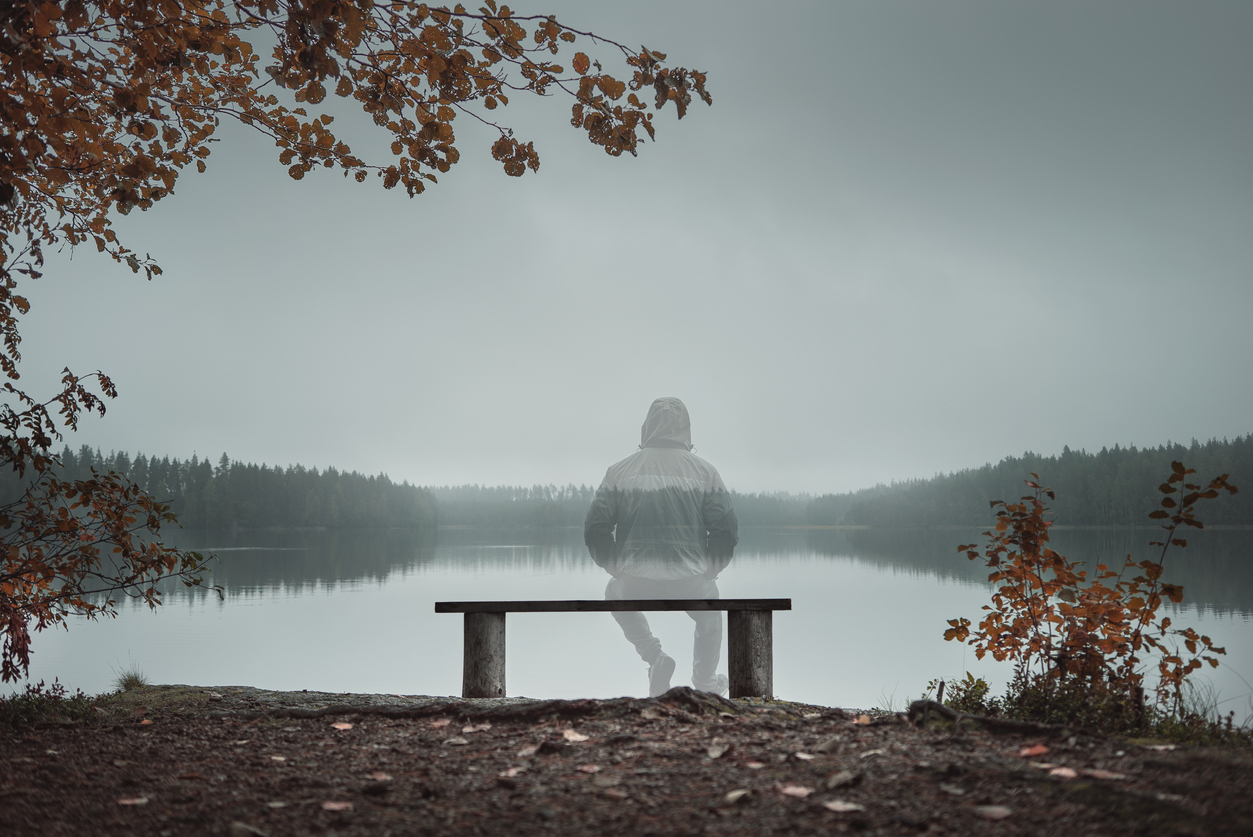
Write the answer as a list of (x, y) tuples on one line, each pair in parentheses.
[(662, 525)]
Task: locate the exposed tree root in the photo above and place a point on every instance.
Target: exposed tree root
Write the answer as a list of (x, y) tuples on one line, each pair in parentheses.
[(920, 708), (680, 698)]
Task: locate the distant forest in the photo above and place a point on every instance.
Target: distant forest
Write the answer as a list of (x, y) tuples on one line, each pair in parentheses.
[(552, 505), (1114, 487), (232, 494)]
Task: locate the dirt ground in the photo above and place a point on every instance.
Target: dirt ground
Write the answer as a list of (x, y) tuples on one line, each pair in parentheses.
[(173, 760)]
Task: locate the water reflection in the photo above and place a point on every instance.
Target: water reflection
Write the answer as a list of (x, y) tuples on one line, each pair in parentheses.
[(1215, 570)]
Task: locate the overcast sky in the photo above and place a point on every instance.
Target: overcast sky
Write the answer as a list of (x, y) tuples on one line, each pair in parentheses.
[(907, 238)]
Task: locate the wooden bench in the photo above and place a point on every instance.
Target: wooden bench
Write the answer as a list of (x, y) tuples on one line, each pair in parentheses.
[(749, 637)]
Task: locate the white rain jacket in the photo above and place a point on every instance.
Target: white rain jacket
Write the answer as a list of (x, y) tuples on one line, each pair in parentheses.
[(663, 512)]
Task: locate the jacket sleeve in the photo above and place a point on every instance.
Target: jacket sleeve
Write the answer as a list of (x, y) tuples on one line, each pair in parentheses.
[(598, 527), (722, 528)]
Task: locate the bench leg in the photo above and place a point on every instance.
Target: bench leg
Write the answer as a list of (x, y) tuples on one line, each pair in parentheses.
[(750, 653), (483, 667)]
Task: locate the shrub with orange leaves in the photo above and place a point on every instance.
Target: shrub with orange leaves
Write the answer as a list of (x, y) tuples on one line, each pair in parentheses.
[(1068, 630), (104, 104)]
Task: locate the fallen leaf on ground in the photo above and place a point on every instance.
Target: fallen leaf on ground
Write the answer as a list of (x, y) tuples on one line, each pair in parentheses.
[(243, 741), (144, 722), (1104, 774), (798, 791), (590, 768), (483, 727), (276, 804), (1034, 750), (805, 757), (380, 776), (870, 753), (809, 715), (993, 812), (737, 795), (336, 806), (511, 772), (1043, 765), (1063, 772), (456, 741), (571, 735), (342, 725), (754, 765), (440, 722), (614, 793), (278, 758), (952, 789), (842, 807), (862, 719), (527, 752), (133, 800), (716, 751), (842, 778)]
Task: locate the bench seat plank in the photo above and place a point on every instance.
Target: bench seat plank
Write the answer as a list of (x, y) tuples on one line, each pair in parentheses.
[(564, 606)]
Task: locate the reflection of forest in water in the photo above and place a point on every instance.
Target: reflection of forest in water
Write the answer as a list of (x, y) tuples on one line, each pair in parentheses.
[(250, 560), (1215, 570)]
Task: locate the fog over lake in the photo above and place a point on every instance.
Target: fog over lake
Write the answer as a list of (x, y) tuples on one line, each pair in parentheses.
[(353, 611)]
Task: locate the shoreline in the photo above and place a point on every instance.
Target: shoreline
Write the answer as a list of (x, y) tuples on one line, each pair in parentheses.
[(236, 760)]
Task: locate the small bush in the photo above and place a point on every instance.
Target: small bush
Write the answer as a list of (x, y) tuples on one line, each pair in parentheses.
[(971, 695), (1091, 704), (1083, 640), (43, 705)]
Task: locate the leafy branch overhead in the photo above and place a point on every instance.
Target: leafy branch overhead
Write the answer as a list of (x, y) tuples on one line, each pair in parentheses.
[(106, 102)]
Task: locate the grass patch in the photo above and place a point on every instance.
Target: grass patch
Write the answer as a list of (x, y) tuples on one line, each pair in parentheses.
[(129, 679)]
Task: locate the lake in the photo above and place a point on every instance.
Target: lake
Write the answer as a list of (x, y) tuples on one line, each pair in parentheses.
[(352, 611)]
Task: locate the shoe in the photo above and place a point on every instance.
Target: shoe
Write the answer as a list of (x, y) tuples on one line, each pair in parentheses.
[(659, 674), (718, 684)]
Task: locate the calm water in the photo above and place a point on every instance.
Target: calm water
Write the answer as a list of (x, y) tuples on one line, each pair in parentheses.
[(353, 612)]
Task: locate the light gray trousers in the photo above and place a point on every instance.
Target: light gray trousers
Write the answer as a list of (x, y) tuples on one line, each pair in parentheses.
[(707, 643)]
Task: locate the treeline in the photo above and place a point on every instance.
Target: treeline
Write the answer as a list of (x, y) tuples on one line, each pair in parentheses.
[(542, 506), (511, 506), (234, 494), (1114, 487), (1117, 486)]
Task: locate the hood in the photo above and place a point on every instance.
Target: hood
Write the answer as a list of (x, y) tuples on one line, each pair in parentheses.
[(667, 425)]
